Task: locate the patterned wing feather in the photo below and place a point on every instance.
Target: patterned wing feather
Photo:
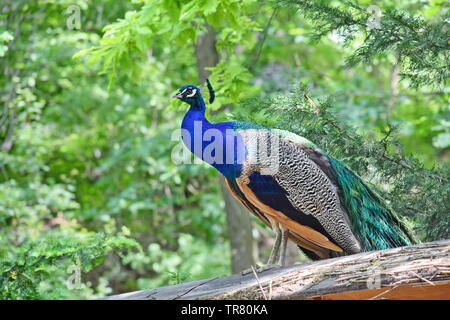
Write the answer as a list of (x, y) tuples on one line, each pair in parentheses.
[(302, 189), (317, 244)]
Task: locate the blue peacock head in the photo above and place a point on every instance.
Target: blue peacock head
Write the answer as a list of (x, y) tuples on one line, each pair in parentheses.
[(192, 95), (189, 94)]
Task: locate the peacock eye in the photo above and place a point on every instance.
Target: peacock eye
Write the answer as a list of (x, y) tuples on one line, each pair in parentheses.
[(190, 92)]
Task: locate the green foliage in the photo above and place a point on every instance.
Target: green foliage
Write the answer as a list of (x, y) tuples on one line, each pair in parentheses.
[(77, 161), (41, 268), (234, 79), (162, 26), (421, 46), (5, 37), (194, 259)]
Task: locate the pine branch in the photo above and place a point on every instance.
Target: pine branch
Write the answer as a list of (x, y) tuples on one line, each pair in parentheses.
[(422, 47)]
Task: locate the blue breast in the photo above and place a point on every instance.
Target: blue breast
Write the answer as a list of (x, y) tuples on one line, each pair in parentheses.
[(215, 143)]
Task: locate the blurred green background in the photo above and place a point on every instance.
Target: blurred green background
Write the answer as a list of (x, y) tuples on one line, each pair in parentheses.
[(91, 202)]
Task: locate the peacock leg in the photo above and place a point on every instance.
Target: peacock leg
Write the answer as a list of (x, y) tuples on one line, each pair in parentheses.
[(284, 238), (273, 255), (275, 249)]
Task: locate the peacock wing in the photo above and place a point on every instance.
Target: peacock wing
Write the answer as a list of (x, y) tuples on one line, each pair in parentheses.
[(296, 187)]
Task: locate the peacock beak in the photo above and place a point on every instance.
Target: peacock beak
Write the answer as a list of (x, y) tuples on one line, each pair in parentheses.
[(177, 96)]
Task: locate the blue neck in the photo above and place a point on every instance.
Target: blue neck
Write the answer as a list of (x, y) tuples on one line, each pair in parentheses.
[(214, 143)]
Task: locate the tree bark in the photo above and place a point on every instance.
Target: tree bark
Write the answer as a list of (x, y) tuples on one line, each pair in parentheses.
[(415, 272), (206, 53), (238, 219)]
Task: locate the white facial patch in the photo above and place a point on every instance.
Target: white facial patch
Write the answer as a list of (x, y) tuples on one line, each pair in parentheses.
[(192, 94)]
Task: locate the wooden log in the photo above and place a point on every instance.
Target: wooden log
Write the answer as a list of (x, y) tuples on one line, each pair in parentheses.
[(415, 272)]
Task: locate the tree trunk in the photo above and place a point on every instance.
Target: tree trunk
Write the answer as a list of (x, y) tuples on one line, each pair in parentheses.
[(239, 222), (206, 53), (415, 272)]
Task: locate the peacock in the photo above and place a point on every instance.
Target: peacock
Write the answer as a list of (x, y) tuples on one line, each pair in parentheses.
[(298, 190)]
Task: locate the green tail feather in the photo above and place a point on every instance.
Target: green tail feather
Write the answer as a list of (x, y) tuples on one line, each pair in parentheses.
[(373, 222)]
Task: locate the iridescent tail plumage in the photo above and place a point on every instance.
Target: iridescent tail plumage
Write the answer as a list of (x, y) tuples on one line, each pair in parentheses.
[(374, 223)]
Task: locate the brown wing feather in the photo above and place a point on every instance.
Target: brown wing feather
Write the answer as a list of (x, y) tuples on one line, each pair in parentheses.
[(304, 232), (294, 237)]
